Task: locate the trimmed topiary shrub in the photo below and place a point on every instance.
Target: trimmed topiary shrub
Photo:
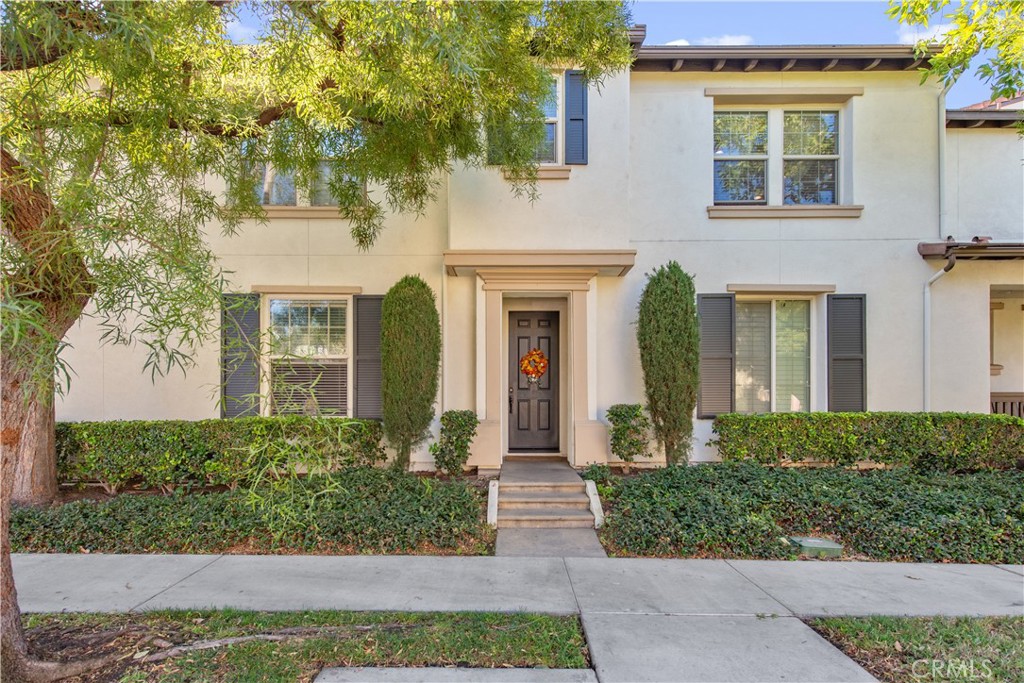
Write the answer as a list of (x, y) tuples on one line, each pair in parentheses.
[(179, 454), (669, 341), (630, 432), (945, 442), (410, 356), (451, 452)]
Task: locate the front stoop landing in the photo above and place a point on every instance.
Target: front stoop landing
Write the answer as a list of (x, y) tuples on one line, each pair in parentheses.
[(541, 492)]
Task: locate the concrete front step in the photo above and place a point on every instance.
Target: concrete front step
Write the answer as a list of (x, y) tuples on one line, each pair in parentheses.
[(545, 518), (542, 499), (542, 487)]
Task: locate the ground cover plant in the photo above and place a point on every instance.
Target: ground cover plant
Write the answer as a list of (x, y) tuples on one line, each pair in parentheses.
[(745, 510), (307, 642), (356, 510), (897, 649)]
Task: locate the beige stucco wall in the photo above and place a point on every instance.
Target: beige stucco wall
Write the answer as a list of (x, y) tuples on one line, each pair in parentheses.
[(646, 187), (892, 162), (109, 382), (985, 177), (589, 210)]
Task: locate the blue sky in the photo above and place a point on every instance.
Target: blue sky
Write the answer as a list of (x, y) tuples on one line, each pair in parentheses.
[(787, 23), (768, 22)]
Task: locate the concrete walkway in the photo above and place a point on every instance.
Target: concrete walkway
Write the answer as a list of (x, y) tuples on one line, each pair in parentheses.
[(645, 619)]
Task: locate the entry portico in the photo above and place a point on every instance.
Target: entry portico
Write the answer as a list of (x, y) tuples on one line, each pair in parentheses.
[(559, 283)]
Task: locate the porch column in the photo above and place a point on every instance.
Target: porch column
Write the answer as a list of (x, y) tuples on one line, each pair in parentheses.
[(589, 436), (487, 444)]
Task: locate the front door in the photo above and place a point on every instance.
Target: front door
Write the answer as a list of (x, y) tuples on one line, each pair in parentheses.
[(533, 403)]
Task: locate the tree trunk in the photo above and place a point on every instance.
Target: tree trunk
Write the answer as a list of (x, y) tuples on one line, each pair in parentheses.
[(35, 473), (22, 404), (13, 649), (55, 280)]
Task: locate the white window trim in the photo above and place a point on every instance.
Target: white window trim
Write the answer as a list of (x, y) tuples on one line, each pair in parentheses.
[(812, 319), (267, 357), (557, 169), (559, 121), (774, 180)]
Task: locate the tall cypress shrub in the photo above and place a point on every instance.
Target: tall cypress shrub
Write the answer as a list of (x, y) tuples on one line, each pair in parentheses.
[(669, 341), (410, 355)]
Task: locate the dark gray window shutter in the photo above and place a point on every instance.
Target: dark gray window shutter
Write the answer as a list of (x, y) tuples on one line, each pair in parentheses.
[(575, 118), (717, 314), (239, 355), (367, 357), (847, 367)]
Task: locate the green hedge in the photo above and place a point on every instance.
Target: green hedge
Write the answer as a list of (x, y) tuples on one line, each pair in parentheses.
[(944, 442), (743, 510), (172, 454), (357, 510)]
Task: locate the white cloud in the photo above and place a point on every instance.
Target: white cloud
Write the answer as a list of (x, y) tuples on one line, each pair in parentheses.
[(679, 41), (911, 35), (240, 33), (727, 39)]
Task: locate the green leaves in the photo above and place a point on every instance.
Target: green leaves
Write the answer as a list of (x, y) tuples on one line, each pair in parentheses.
[(451, 452), (356, 510), (177, 454), (410, 356), (669, 340), (995, 27), (144, 125), (630, 431), (740, 510), (944, 442)]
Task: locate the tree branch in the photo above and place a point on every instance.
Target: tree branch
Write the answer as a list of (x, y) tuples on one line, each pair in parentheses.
[(335, 34)]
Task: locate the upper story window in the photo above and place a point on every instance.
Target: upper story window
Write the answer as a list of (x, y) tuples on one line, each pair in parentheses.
[(776, 157), (548, 152), (279, 188), (565, 139)]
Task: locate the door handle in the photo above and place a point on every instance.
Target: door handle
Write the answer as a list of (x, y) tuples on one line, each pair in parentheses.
[(510, 400)]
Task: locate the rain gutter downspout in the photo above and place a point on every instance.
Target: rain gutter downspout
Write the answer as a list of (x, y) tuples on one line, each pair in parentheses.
[(941, 148), (950, 262), (951, 259)]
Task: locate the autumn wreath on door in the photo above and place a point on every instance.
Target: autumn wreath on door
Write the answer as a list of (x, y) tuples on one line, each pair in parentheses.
[(534, 364)]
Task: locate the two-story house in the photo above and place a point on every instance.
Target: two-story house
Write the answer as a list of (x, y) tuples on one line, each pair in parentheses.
[(810, 190)]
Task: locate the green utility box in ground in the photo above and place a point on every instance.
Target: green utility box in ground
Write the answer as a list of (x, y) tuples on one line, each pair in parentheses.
[(816, 547)]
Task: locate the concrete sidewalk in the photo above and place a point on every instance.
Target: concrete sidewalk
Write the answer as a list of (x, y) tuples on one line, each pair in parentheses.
[(645, 619)]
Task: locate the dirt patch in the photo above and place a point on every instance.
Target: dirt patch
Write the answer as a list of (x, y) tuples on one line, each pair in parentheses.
[(55, 642)]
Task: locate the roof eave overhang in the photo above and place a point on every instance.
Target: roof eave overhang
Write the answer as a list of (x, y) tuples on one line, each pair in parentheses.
[(972, 119), (604, 262), (780, 58), (971, 251)]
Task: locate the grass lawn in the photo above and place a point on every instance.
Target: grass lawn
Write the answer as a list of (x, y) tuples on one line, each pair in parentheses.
[(311, 641), (922, 649)]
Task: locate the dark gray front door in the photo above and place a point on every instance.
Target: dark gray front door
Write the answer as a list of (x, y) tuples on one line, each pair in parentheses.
[(533, 406)]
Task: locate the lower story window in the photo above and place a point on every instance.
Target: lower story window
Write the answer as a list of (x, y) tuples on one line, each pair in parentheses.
[(309, 358), (773, 356)]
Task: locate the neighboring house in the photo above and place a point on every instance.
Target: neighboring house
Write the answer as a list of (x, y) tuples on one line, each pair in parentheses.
[(810, 190)]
